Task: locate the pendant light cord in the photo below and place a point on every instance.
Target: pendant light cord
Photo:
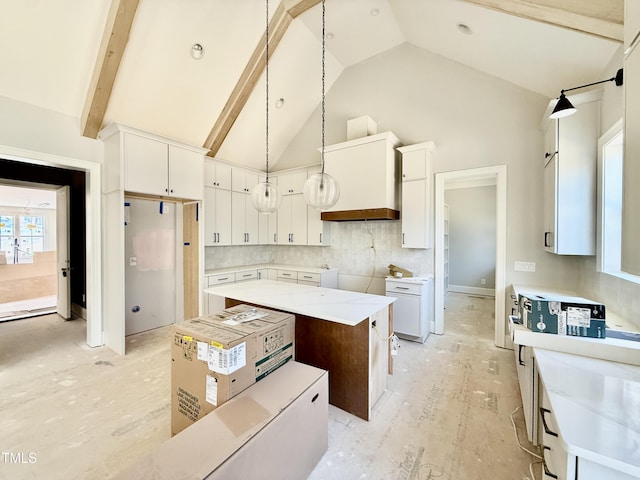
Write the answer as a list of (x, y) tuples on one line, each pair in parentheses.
[(266, 73), (323, 88)]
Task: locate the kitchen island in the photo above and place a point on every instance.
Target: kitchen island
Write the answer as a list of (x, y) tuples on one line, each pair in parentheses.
[(340, 331)]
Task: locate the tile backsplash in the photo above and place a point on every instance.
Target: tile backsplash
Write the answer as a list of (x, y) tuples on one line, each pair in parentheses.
[(362, 248)]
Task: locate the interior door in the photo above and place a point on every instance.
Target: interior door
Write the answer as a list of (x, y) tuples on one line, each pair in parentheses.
[(63, 304)]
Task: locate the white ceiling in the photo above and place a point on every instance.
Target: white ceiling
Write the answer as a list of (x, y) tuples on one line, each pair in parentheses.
[(27, 198), (48, 50)]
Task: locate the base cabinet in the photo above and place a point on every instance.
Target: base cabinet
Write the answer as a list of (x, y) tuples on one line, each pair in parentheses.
[(529, 385), (413, 309)]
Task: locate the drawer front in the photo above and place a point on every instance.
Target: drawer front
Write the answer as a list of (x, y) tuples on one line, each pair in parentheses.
[(246, 275), (311, 284), (221, 279), (401, 287), (309, 277), (555, 457), (287, 275)]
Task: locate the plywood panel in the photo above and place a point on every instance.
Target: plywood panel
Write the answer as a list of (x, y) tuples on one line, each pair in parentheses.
[(191, 259)]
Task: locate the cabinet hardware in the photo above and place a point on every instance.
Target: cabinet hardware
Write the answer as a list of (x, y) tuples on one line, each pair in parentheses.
[(166, 190), (402, 288), (403, 238), (547, 243), (307, 276), (246, 275), (547, 430), (286, 274), (520, 361), (320, 238), (223, 278), (275, 238), (544, 464), (171, 190)]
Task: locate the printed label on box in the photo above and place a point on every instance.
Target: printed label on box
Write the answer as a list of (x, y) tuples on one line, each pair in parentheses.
[(562, 323), (211, 394), (227, 361), (578, 317), (203, 351)]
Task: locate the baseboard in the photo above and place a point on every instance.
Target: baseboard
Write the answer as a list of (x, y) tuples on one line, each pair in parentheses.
[(487, 292)]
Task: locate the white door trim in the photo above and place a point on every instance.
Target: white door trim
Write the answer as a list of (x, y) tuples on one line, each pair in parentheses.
[(499, 173), (93, 232), (63, 272)]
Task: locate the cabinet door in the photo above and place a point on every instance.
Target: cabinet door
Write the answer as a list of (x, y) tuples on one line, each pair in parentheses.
[(252, 222), (406, 314), (238, 230), (318, 232), (414, 164), (631, 192), (284, 221), (292, 182), (415, 215), (298, 220), (210, 237), (217, 174), (145, 164), (549, 204), (186, 168), (223, 216)]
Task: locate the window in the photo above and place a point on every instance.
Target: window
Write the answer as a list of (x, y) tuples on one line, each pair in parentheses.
[(21, 236), (611, 150), (7, 236)]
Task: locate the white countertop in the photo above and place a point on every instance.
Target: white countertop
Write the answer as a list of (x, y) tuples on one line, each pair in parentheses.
[(613, 349), (276, 266), (418, 279), (597, 407), (341, 306)]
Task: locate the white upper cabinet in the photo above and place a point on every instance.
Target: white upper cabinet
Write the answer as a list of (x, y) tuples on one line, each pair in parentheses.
[(417, 190), (244, 220), (140, 162), (292, 221), (630, 258), (217, 218), (217, 174), (570, 180), (243, 180), (291, 183)]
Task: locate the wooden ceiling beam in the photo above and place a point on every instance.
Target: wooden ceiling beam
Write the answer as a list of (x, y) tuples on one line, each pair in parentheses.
[(602, 18), (114, 42), (282, 18)]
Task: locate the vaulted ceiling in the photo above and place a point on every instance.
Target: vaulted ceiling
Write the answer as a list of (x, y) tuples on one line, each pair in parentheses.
[(129, 61)]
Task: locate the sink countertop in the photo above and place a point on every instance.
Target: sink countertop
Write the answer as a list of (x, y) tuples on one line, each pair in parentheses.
[(597, 407), (341, 306)]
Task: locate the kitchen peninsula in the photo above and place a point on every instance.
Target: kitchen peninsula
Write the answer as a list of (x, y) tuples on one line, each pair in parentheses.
[(344, 332)]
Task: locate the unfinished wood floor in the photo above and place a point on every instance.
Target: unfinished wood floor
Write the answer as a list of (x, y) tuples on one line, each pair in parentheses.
[(71, 412)]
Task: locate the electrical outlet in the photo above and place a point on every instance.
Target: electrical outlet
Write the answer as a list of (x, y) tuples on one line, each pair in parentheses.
[(525, 266), (483, 281)]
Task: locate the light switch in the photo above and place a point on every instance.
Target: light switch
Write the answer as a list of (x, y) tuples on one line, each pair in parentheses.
[(525, 266), (132, 261)]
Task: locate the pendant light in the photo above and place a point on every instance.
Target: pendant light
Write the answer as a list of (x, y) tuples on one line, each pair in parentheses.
[(321, 190), (265, 196)]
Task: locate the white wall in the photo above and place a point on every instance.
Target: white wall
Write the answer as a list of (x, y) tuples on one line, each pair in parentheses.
[(472, 237), (475, 120)]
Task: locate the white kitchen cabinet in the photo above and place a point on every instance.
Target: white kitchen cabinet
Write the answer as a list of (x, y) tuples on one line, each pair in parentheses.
[(268, 222), (243, 180), (217, 218), (529, 385), (292, 220), (630, 255), (417, 192), (217, 174), (244, 220), (214, 303), (291, 183), (413, 309), (155, 167), (569, 193)]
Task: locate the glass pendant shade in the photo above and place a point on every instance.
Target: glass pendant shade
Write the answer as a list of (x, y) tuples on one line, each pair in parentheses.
[(563, 108), (265, 197), (321, 191)]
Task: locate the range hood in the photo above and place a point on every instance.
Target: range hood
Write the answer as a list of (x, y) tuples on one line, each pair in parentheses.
[(366, 170)]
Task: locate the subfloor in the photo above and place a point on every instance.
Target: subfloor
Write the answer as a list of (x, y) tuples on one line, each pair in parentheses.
[(68, 411)]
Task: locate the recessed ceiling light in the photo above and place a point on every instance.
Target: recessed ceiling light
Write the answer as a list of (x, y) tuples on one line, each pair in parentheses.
[(464, 28), (329, 36), (374, 12), (197, 51), (279, 103)]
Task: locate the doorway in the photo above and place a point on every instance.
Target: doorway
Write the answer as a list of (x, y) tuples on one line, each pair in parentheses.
[(497, 174), (28, 246), (18, 164)]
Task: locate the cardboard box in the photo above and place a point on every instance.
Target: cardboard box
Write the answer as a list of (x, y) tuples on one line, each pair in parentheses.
[(560, 315), (361, 127), (399, 272), (277, 428), (216, 358)]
